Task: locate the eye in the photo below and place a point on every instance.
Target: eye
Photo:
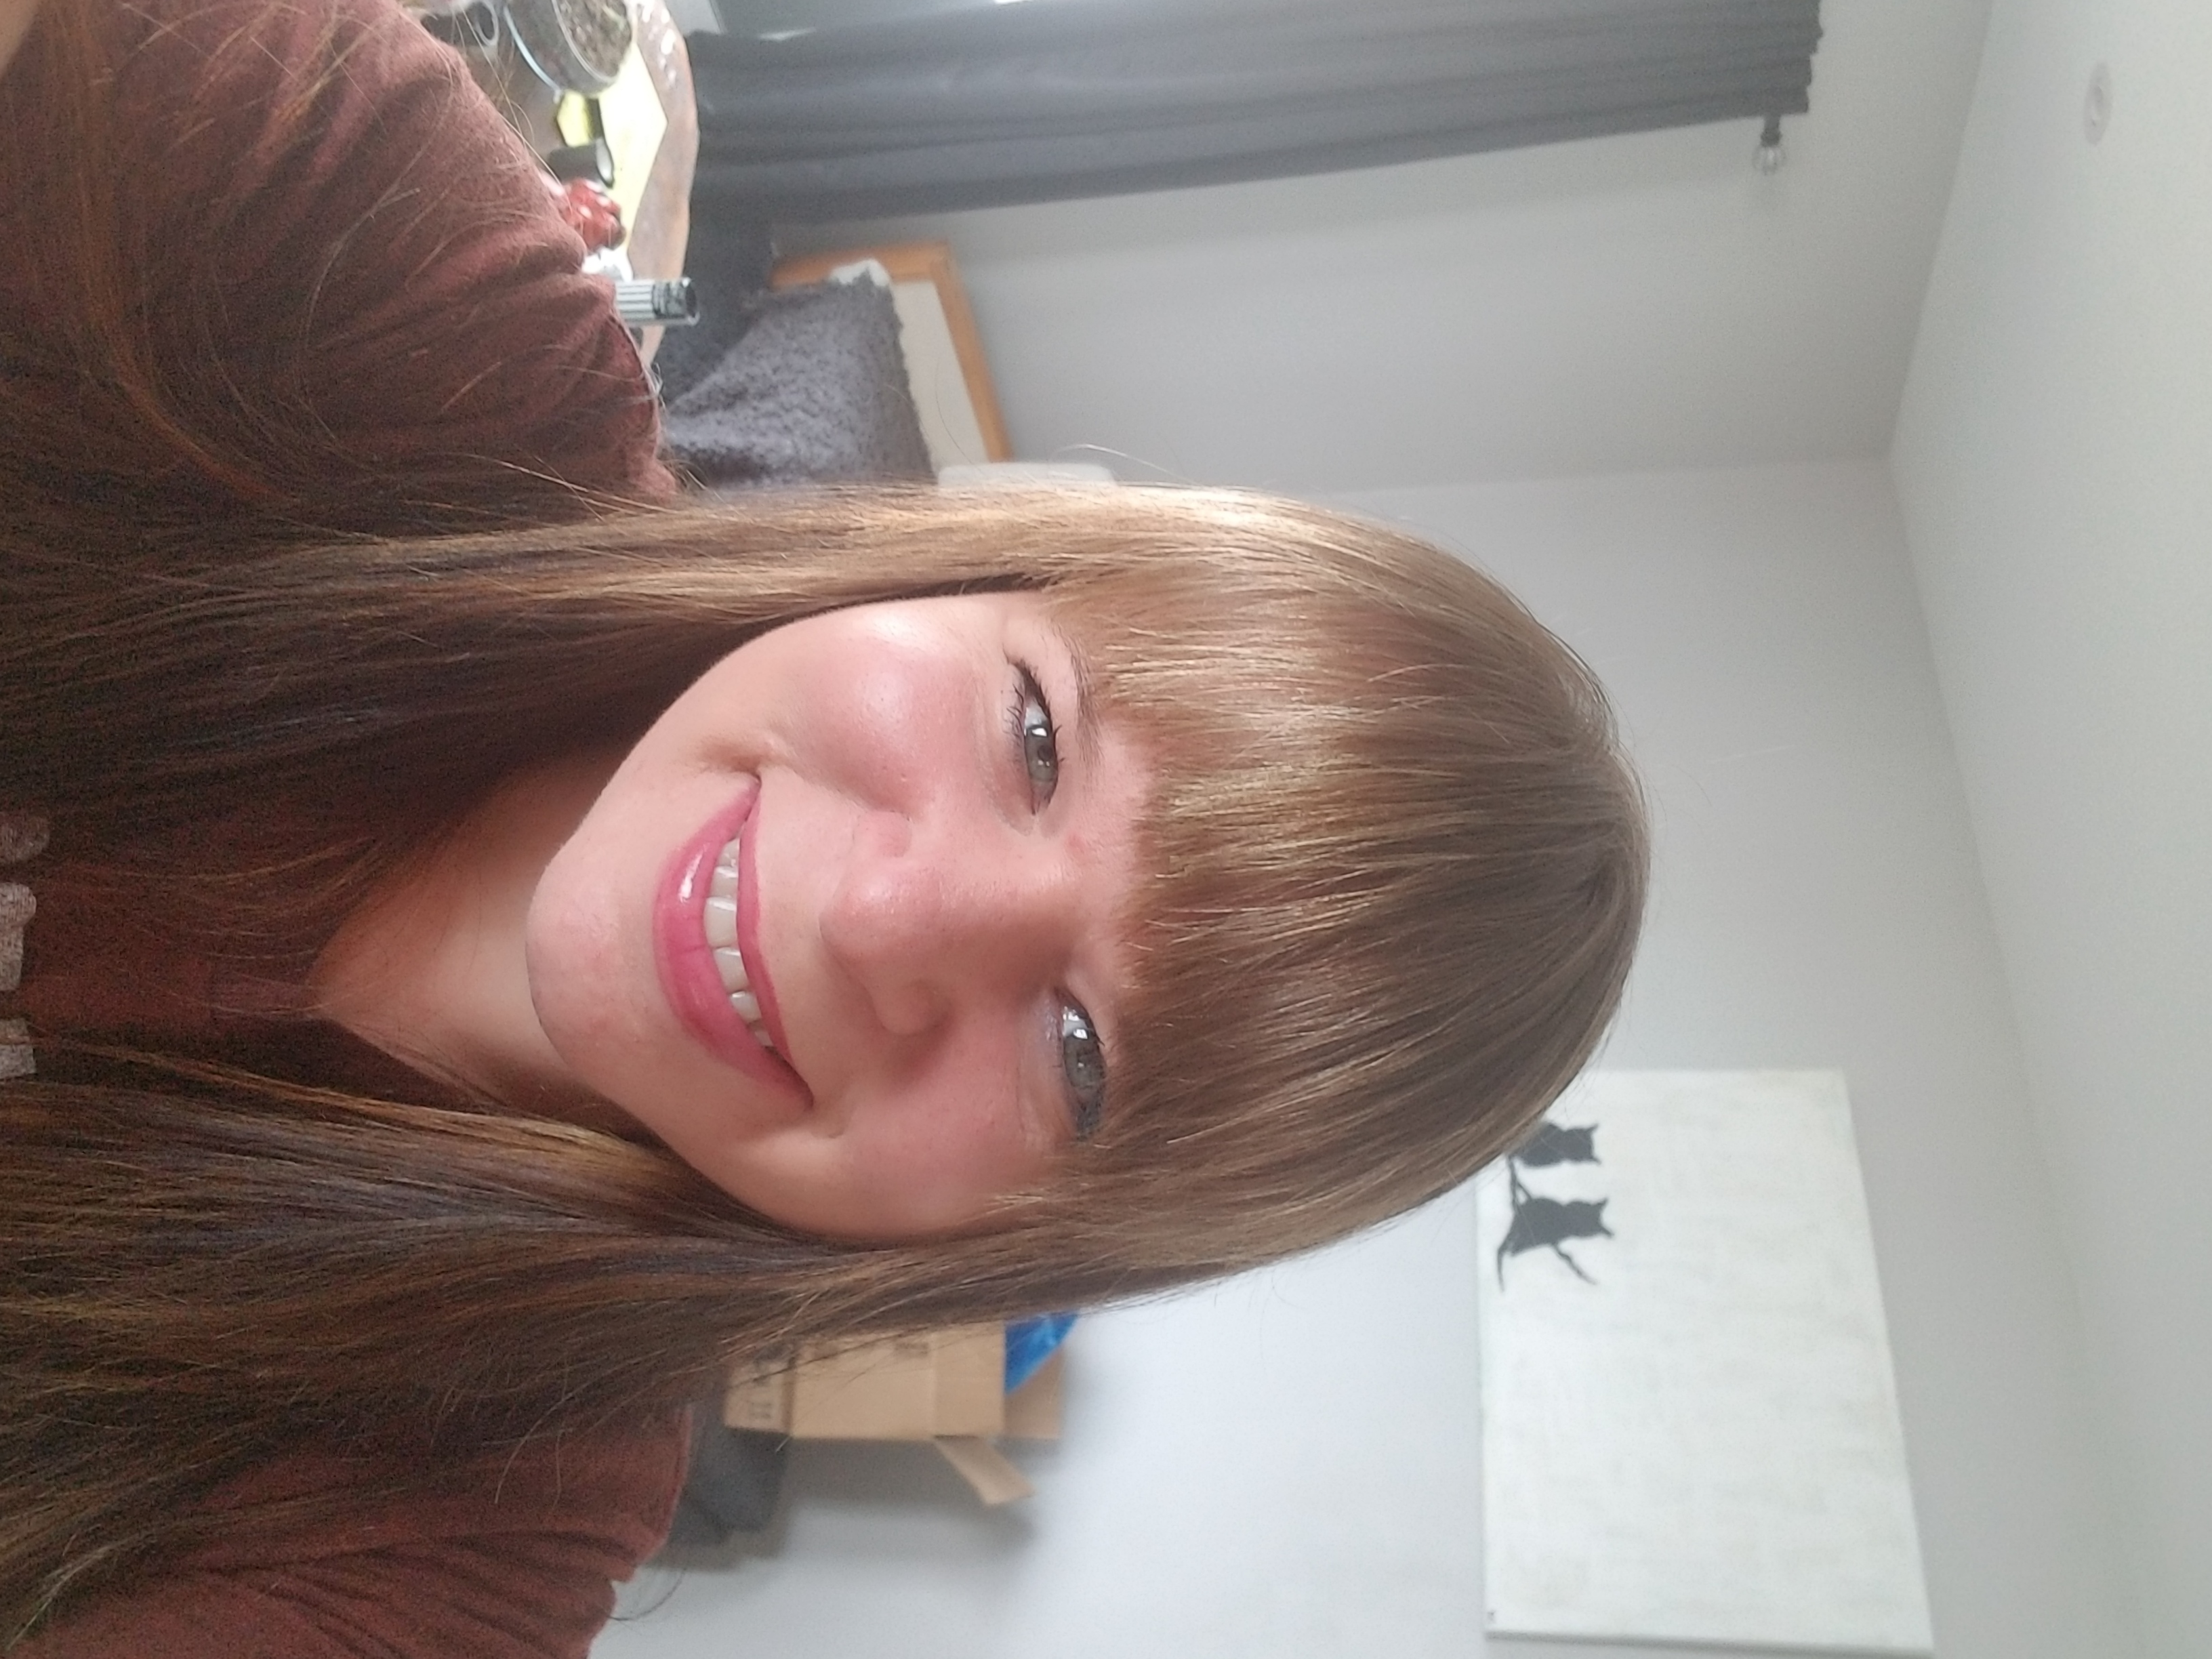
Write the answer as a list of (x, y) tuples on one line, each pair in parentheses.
[(1083, 1064), (1036, 737)]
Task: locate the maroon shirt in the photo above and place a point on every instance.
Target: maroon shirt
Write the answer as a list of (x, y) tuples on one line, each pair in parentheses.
[(359, 285), (388, 296), (519, 1564)]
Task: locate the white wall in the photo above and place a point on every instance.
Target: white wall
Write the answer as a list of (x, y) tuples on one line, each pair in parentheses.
[(2054, 459), (1286, 1467), (1819, 902)]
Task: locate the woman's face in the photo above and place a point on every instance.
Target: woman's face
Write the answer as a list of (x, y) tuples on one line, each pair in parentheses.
[(844, 929)]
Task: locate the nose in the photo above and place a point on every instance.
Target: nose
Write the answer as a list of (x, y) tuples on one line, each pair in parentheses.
[(922, 921)]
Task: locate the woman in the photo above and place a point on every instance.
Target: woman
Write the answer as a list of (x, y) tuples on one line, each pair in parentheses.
[(507, 946)]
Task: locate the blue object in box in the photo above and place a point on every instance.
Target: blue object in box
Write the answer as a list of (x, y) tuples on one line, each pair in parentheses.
[(1030, 1343)]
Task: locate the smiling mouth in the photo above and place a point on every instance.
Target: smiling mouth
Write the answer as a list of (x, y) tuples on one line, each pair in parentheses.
[(708, 953), (720, 922)]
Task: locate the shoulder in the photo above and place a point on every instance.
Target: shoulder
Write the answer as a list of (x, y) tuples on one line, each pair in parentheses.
[(16, 17), (351, 279), (509, 1557)]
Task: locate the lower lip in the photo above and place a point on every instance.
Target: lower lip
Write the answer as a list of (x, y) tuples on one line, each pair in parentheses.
[(688, 977)]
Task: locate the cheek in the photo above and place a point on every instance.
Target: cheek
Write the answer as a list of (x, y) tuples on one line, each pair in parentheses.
[(883, 717), (948, 1142)]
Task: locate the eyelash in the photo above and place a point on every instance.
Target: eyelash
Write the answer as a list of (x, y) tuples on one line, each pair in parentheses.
[(1029, 694), (1079, 1048), (1082, 1058)]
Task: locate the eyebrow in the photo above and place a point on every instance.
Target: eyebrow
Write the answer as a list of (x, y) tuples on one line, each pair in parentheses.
[(1086, 706)]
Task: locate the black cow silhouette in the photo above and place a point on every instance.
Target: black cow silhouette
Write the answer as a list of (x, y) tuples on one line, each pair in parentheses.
[(1541, 1223), (1552, 1143)]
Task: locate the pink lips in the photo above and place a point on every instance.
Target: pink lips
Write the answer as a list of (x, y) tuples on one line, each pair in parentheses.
[(687, 978)]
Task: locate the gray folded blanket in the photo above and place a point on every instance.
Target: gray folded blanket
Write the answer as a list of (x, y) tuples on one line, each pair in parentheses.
[(815, 391)]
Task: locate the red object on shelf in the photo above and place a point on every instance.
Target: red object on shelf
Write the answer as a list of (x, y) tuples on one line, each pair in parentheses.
[(590, 212)]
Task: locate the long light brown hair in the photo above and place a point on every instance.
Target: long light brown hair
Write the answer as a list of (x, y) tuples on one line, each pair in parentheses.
[(1394, 867)]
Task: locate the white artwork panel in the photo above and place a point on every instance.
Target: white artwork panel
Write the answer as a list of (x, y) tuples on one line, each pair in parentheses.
[(1689, 1419)]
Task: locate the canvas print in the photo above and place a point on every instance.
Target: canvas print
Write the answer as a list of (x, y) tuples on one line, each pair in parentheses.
[(1689, 1420)]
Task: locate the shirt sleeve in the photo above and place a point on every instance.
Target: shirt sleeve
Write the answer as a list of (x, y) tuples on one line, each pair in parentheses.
[(515, 1559), (347, 269)]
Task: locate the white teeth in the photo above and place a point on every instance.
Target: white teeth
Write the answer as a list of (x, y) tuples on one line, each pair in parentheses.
[(721, 929)]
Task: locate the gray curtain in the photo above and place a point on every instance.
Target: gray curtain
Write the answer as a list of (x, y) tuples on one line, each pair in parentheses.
[(1064, 98)]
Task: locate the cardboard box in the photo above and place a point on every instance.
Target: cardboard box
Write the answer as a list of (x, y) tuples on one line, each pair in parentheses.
[(943, 1386)]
